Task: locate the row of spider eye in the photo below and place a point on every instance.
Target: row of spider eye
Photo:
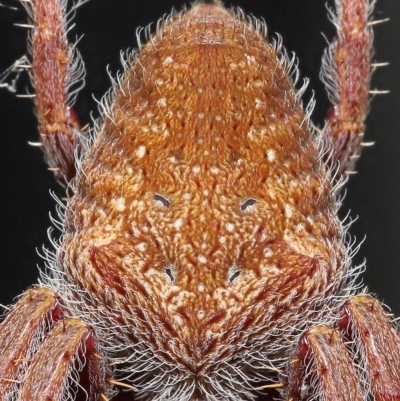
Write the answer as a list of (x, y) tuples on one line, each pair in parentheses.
[(234, 272), (245, 205)]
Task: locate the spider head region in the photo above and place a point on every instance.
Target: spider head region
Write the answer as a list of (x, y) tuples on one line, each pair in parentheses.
[(202, 216)]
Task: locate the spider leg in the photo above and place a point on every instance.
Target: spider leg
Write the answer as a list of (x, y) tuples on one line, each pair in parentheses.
[(322, 364), (369, 327), (346, 72), (20, 334), (48, 377), (57, 75), (46, 356)]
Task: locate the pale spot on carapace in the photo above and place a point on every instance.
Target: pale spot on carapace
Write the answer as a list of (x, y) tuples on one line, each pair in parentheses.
[(196, 169), (202, 259), (140, 152), (119, 204), (230, 227), (142, 247), (271, 155), (178, 223), (288, 211), (294, 182), (259, 104), (155, 128), (162, 103), (168, 60), (272, 271), (250, 59), (268, 253)]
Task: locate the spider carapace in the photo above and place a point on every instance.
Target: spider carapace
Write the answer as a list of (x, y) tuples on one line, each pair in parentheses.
[(201, 256)]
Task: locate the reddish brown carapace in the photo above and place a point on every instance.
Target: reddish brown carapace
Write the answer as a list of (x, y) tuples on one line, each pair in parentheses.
[(244, 242), (202, 257)]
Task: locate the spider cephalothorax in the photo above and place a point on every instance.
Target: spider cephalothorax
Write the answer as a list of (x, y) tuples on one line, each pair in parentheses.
[(198, 254), (202, 257)]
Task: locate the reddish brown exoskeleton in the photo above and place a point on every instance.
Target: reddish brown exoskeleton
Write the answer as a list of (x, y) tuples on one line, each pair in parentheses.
[(202, 257)]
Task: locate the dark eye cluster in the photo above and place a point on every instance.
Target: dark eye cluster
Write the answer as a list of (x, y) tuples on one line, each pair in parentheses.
[(247, 204), (170, 273), (234, 273), (161, 200)]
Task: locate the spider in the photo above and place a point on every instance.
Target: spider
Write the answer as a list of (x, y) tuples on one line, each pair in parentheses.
[(165, 355)]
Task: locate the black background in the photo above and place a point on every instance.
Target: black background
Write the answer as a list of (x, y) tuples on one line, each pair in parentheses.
[(108, 26)]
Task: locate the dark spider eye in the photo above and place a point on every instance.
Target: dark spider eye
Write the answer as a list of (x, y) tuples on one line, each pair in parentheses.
[(247, 204), (161, 200), (235, 274), (170, 274)]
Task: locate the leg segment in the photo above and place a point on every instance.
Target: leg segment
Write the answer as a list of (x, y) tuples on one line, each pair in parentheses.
[(41, 362), (322, 368), (21, 332), (365, 321), (323, 364), (57, 74), (346, 72), (48, 377)]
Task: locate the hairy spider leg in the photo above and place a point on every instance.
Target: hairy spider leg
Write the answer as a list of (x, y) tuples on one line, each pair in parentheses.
[(322, 360), (346, 72), (33, 330), (366, 323), (322, 366), (57, 75)]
